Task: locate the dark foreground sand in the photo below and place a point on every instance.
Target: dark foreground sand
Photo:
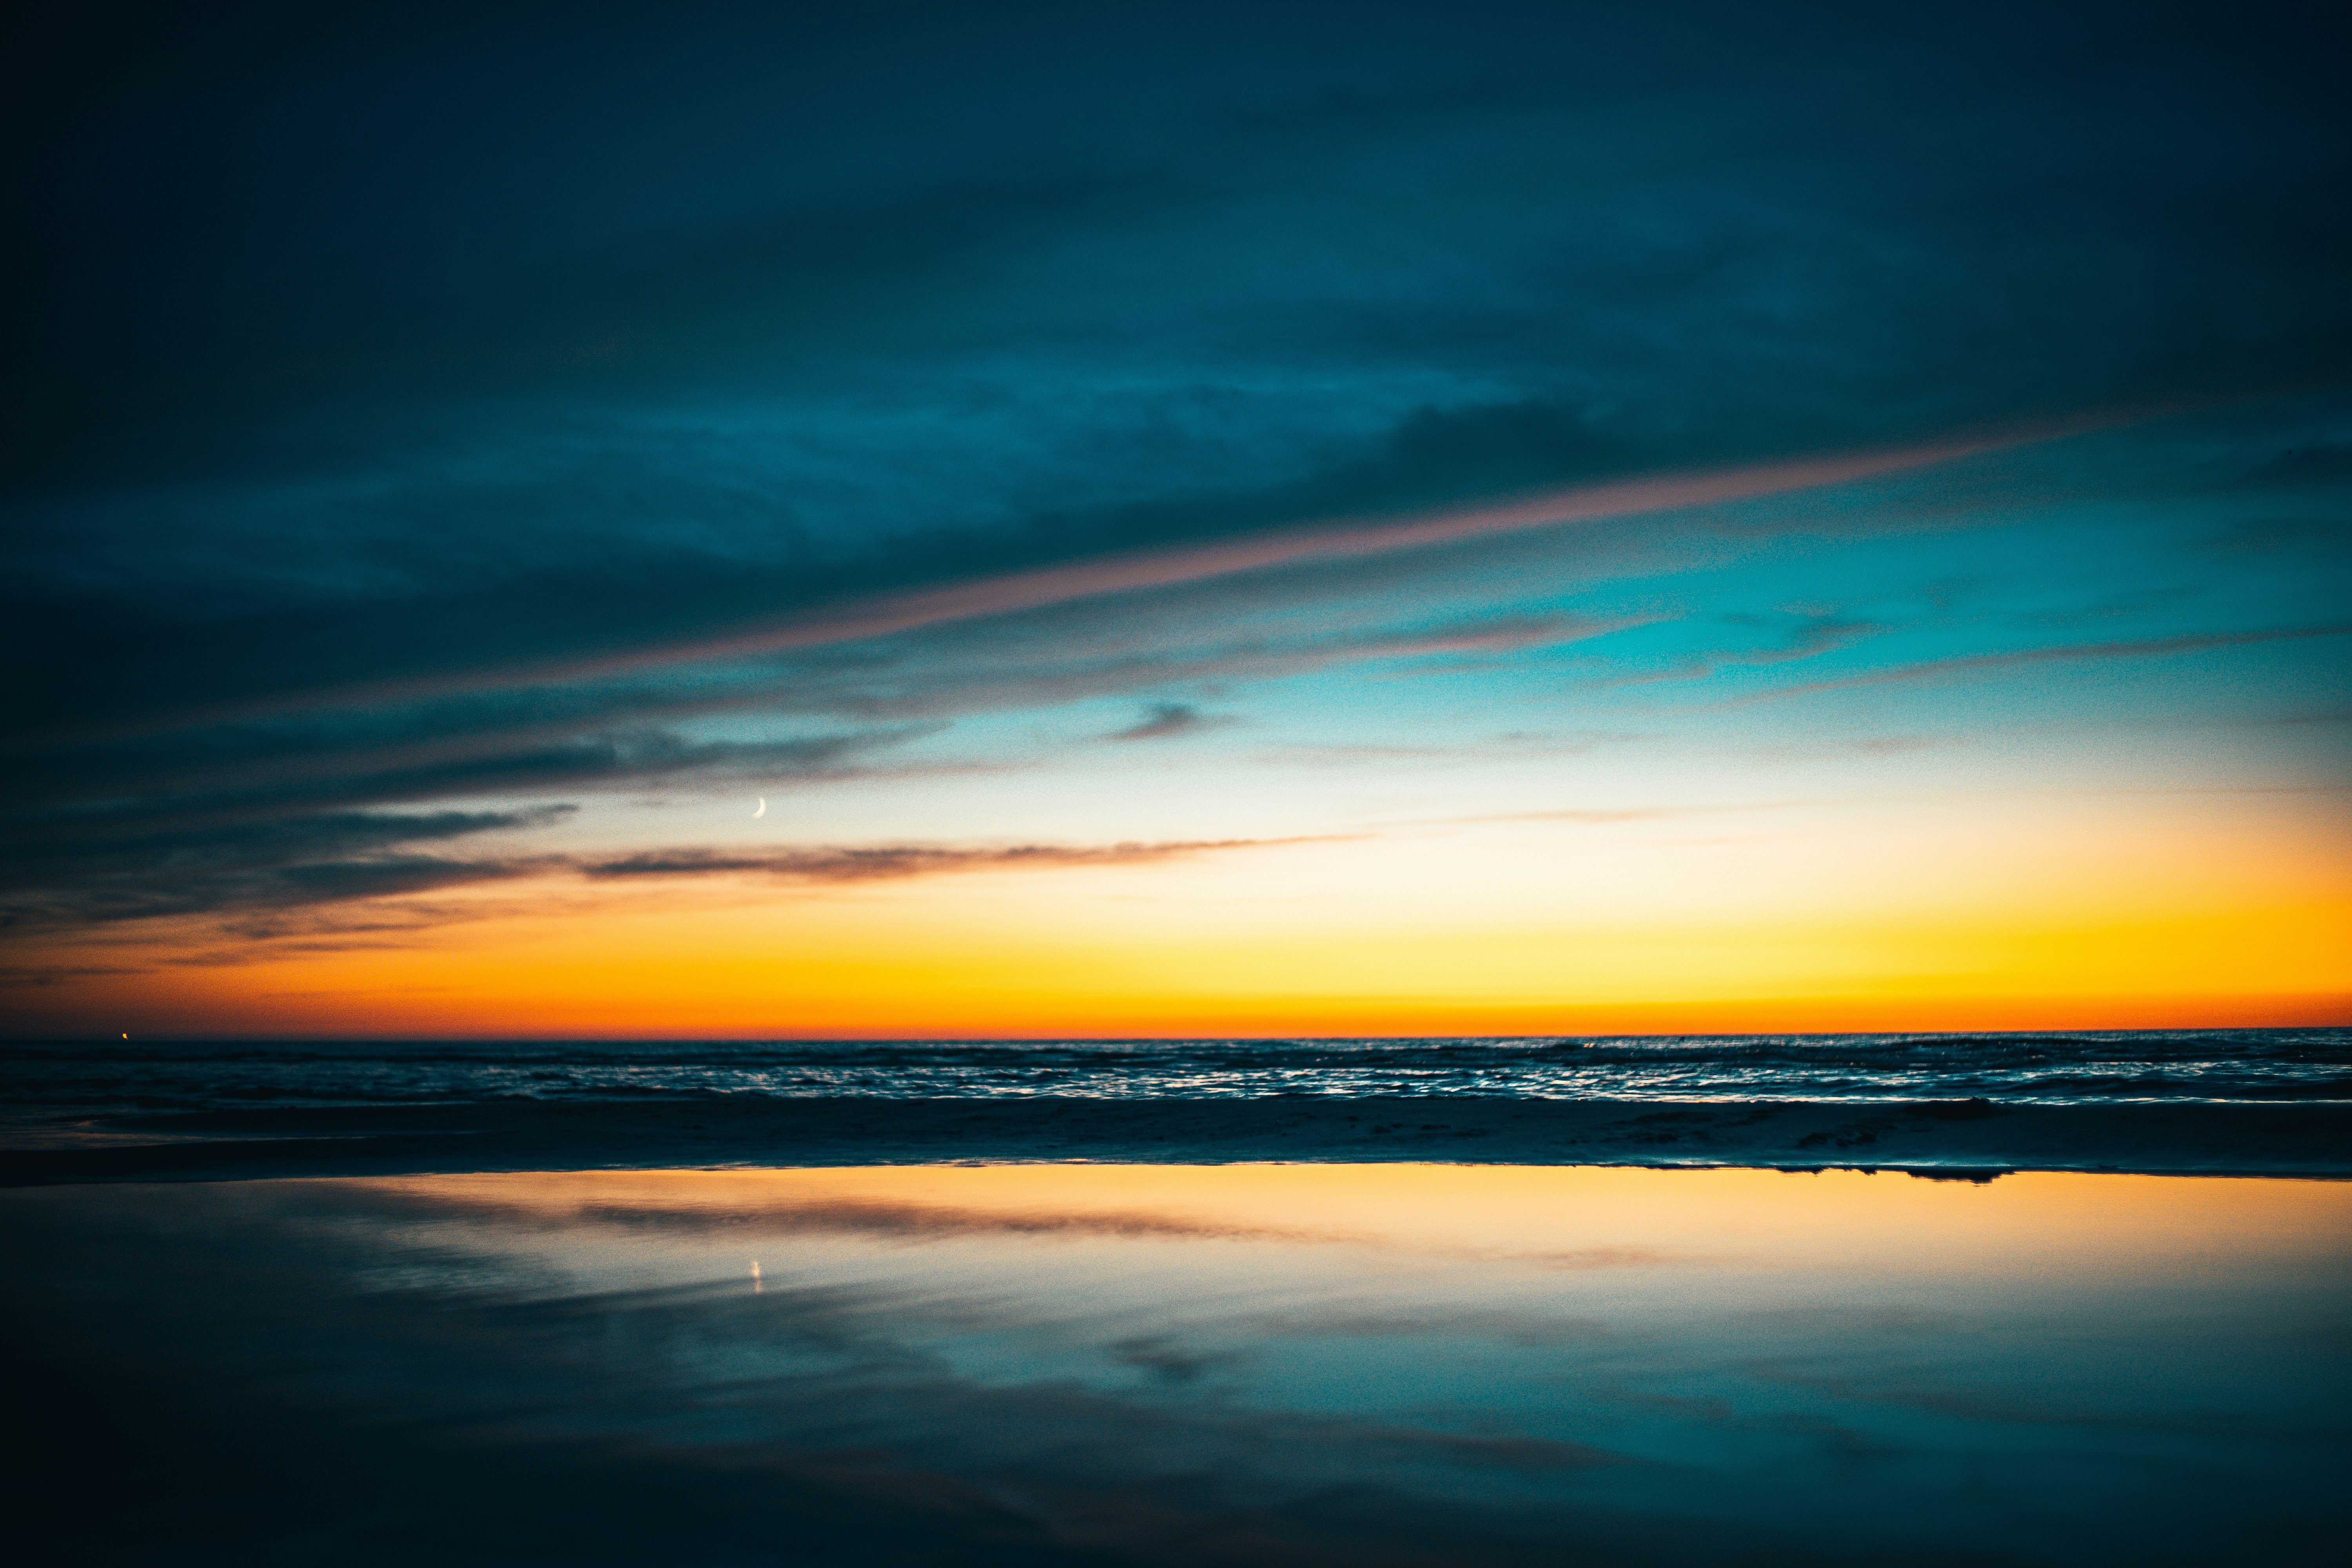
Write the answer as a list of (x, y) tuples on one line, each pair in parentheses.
[(1960, 1137)]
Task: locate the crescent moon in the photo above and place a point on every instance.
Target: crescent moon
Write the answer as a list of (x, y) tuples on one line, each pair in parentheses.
[(764, 807)]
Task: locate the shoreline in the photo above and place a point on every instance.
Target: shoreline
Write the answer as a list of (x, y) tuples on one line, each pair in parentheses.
[(1963, 1140)]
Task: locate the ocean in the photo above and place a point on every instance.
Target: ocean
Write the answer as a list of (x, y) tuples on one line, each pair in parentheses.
[(2246, 1101), (58, 1088)]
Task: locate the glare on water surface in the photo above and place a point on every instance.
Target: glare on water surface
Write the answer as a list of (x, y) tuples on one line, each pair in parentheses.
[(2071, 1364)]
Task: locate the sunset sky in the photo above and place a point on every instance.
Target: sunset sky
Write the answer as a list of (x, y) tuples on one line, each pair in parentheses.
[(1264, 518)]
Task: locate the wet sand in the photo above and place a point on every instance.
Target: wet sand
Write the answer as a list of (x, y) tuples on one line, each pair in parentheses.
[(1180, 1366), (1958, 1138)]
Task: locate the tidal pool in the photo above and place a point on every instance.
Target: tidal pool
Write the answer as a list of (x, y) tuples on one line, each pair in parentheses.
[(1197, 1364)]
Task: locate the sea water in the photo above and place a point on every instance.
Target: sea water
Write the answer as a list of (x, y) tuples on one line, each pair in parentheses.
[(56, 1084)]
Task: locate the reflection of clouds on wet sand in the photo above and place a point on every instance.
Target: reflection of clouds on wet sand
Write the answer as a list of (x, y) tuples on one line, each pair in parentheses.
[(1218, 1364)]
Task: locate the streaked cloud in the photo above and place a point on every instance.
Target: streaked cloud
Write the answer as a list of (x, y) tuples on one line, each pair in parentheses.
[(455, 473), (895, 862), (255, 877), (2146, 647), (1165, 721)]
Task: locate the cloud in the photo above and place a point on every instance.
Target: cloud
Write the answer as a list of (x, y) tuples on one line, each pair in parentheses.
[(294, 812), (2146, 647), (25, 976), (2305, 716), (1067, 659), (2314, 535), (267, 883), (1821, 748), (275, 805), (420, 433), (897, 862), (1817, 634), (1604, 816), (1514, 745), (2315, 467), (253, 865), (644, 614), (1317, 539), (1811, 635), (606, 737), (1165, 721)]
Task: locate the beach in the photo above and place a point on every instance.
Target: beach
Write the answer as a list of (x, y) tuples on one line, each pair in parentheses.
[(1823, 1299), (1279, 785), (1393, 1364)]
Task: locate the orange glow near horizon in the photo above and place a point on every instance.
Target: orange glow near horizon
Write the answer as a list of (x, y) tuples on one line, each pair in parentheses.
[(2062, 920)]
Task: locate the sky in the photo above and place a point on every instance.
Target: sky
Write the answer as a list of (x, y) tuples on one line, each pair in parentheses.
[(1005, 521)]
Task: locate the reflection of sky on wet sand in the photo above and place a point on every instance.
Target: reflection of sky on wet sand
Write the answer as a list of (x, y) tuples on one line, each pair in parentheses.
[(1250, 1363)]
